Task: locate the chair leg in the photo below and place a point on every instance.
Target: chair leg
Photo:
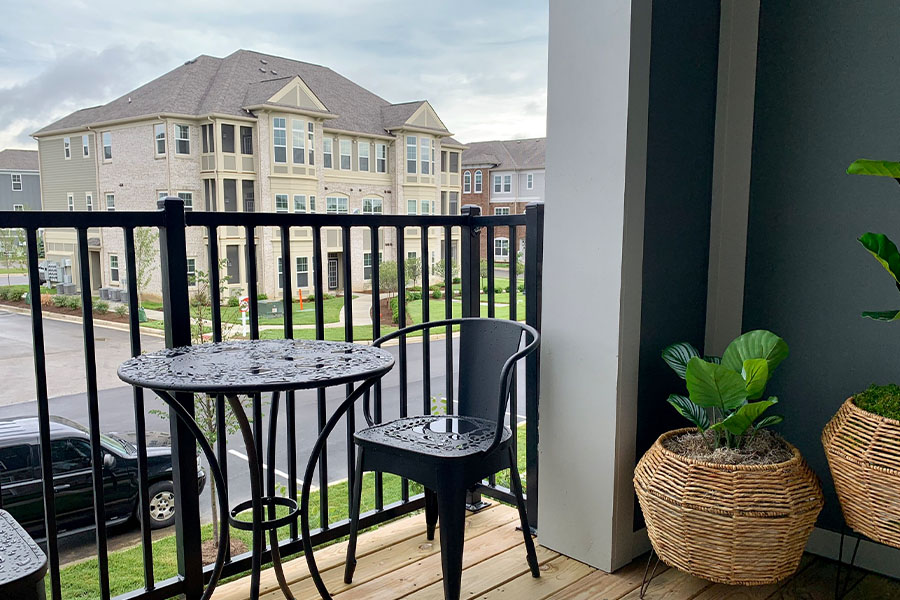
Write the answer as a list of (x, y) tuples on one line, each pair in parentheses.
[(431, 512), (523, 517), (452, 514), (350, 564)]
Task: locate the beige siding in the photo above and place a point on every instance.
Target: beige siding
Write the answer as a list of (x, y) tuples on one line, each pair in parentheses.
[(59, 176)]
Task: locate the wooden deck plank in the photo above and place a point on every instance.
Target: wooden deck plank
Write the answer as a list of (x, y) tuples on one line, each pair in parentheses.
[(756, 592), (815, 581), (672, 584), (556, 575), (608, 585)]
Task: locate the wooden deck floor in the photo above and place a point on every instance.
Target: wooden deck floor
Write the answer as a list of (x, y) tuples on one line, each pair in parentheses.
[(396, 561)]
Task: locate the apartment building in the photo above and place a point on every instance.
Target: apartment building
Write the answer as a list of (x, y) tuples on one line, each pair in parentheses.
[(502, 177), (20, 180), (252, 132)]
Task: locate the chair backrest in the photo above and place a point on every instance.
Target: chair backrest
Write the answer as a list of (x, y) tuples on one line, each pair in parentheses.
[(484, 347)]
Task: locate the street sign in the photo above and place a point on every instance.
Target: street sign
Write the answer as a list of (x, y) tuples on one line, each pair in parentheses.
[(245, 304)]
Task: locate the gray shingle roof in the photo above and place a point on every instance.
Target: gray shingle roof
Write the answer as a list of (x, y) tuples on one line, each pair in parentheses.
[(507, 154), (208, 85), (394, 116), (18, 160)]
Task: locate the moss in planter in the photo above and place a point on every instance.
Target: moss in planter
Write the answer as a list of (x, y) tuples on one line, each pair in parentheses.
[(883, 400)]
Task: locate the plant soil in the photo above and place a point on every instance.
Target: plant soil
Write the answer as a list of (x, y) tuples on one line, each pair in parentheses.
[(75, 312), (766, 448), (209, 550)]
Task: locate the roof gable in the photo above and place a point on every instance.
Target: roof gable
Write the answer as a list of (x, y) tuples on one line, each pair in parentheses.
[(297, 94), (426, 117)]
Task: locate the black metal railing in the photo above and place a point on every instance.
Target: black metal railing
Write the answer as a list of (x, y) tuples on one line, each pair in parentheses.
[(174, 225)]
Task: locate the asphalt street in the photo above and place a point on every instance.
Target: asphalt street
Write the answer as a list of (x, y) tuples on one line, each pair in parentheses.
[(66, 367)]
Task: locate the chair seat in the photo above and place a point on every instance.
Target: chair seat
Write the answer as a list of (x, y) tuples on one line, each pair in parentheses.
[(438, 436)]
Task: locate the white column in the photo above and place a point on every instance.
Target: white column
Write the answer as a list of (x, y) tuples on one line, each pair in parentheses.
[(596, 163)]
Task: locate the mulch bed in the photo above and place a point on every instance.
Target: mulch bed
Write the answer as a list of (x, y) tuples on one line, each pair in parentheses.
[(210, 550), (75, 312), (766, 448)]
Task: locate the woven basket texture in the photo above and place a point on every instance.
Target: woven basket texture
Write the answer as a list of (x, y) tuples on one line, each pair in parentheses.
[(732, 524), (863, 451)]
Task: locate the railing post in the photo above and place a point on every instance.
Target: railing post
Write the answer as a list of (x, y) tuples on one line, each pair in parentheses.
[(534, 276), (176, 308)]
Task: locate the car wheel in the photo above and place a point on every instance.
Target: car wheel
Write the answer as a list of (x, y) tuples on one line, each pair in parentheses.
[(162, 504)]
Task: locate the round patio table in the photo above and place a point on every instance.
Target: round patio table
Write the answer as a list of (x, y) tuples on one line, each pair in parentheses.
[(253, 367)]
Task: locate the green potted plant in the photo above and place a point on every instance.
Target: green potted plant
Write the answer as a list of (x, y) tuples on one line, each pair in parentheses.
[(862, 441), (726, 499)]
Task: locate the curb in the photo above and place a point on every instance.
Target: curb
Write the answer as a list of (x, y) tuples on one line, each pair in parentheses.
[(52, 316)]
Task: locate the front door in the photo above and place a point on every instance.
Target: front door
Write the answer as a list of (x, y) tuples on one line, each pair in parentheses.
[(96, 271), (332, 273)]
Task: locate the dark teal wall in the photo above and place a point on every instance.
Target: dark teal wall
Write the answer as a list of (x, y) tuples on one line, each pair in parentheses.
[(684, 51), (828, 91)]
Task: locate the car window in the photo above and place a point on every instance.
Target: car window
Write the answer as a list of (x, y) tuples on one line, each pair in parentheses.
[(15, 464), (70, 455)]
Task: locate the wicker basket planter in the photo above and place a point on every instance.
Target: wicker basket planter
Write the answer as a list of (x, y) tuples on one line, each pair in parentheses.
[(732, 524), (863, 451)]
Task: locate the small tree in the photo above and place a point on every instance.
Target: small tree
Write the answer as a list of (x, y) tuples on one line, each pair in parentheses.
[(387, 278), (413, 270), (483, 272), (12, 250), (439, 268), (146, 251)]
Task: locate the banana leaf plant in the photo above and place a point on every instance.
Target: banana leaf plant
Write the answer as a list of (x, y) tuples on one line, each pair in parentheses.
[(724, 394), (879, 245)]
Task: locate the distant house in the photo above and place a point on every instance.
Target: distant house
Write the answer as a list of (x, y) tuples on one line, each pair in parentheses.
[(20, 180), (502, 177)]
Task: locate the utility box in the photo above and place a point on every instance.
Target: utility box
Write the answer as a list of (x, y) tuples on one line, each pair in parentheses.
[(115, 294), (270, 308), (104, 293), (123, 296)]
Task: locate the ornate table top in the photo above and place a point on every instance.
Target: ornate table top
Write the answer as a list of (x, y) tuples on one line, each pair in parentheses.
[(21, 558), (248, 366)]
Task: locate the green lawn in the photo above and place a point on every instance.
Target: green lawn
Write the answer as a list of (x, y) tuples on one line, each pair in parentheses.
[(79, 581), (12, 270)]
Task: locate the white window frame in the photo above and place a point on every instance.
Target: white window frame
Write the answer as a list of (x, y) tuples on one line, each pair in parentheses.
[(70, 202), (414, 205), (281, 208), (380, 158), (188, 199), (114, 267), (179, 139), (360, 156), (106, 136), (299, 203), (341, 205), (426, 207), (477, 186), (312, 204), (348, 144), (373, 206), (16, 178), (298, 142), (279, 139), (159, 136), (328, 152), (67, 148), (432, 158), (110, 207), (467, 182), (412, 145), (18, 207), (311, 134), (501, 211), (499, 245), (529, 181), (498, 184), (279, 268), (192, 272), (423, 155), (507, 184), (89, 201), (304, 262), (367, 258), (86, 146)]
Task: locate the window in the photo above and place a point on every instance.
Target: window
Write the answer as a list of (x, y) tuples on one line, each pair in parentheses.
[(298, 142), (279, 263), (381, 158), (17, 182), (432, 158), (311, 134), (426, 207), (209, 194), (227, 138), (113, 267), (246, 140), (188, 198), (18, 207), (467, 182), (326, 152), (85, 146), (15, 464), (312, 204), (443, 162), (454, 162), (507, 183), (161, 195), (192, 271), (111, 202), (346, 149), (89, 201), (70, 454), (498, 184), (182, 139), (454, 203), (477, 182), (299, 204), (279, 139), (248, 194), (67, 148), (302, 272), (424, 144), (363, 151), (501, 249), (281, 202), (412, 207), (411, 154), (159, 135), (208, 138), (501, 210), (367, 264), (107, 145), (372, 206), (70, 202), (336, 205), (529, 181)]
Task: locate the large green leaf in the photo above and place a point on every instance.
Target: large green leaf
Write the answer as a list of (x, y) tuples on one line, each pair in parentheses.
[(712, 385), (678, 355), (884, 168), (756, 376), (755, 344), (769, 421), (742, 419), (883, 315), (884, 250), (690, 411)]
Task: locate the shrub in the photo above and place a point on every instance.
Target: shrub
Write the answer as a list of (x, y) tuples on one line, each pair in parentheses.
[(456, 280), (327, 296), (395, 309), (100, 306), (521, 287), (234, 302), (310, 298), (72, 302), (12, 293), (436, 287), (262, 296), (410, 296), (415, 288), (883, 400), (436, 294), (121, 310)]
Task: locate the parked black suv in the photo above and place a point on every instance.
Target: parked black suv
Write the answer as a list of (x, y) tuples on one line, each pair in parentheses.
[(22, 489)]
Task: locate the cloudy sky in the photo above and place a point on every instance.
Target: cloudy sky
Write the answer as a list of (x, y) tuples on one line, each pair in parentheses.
[(482, 65)]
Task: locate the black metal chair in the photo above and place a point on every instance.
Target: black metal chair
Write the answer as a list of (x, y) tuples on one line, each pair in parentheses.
[(448, 455)]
